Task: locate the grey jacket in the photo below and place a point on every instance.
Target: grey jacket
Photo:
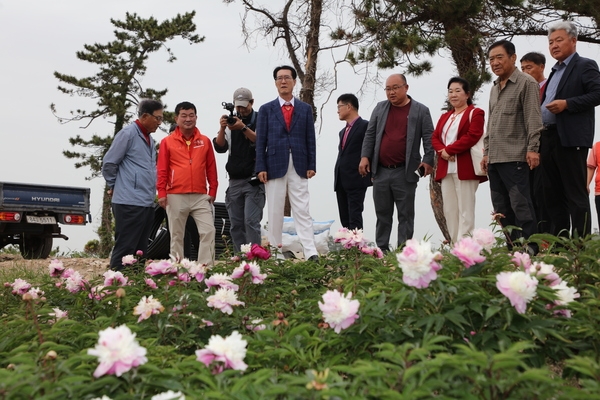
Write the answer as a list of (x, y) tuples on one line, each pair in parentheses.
[(420, 127), (129, 168)]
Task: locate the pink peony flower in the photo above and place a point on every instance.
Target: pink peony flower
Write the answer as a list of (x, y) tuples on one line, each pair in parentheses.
[(418, 263), (373, 251), (161, 267), (339, 311), (58, 314), (545, 271), (350, 238), (150, 283), (56, 268), (75, 282), (35, 293), (253, 269), (468, 251), (518, 286), (147, 307), (229, 352), (114, 278), (220, 280), (97, 292), (128, 260), (485, 238), (117, 351), (139, 253), (223, 299), (20, 286), (207, 322), (257, 251), (522, 260), (255, 325), (67, 273)]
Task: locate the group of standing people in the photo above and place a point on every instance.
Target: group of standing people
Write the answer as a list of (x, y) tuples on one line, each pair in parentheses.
[(534, 154)]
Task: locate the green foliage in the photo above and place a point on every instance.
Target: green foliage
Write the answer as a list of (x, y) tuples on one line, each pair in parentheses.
[(459, 338)]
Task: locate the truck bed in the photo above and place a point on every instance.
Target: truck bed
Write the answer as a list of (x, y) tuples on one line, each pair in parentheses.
[(23, 196)]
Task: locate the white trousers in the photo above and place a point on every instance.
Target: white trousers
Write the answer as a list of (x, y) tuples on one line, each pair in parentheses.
[(179, 207), (459, 205), (297, 190)]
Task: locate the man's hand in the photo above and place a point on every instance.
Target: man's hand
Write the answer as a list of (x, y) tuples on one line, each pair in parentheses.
[(162, 202), (110, 192), (211, 199), (238, 125), (484, 164), (223, 122), (557, 106), (533, 159), (262, 176), (364, 167), (310, 173), (428, 168)]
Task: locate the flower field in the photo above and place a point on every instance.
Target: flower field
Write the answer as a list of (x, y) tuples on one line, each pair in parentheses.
[(471, 321)]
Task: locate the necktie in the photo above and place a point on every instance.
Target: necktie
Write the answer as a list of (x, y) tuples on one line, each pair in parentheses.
[(345, 135), (287, 110)]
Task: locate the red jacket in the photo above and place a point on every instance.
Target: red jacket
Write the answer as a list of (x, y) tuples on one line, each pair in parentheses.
[(186, 169), (468, 135)]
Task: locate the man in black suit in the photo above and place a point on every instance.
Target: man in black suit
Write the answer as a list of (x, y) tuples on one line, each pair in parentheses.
[(350, 187), (571, 94)]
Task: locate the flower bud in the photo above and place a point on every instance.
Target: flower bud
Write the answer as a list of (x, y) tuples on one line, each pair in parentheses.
[(27, 297), (120, 293), (51, 355), (10, 367)]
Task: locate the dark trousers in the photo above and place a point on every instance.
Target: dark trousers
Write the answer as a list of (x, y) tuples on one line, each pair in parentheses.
[(245, 205), (538, 199), (351, 205), (509, 187), (565, 185), (132, 229)]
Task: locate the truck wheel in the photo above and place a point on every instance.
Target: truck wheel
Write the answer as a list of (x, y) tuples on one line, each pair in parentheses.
[(35, 247)]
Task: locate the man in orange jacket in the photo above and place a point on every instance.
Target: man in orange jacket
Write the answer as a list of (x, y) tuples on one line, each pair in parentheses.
[(186, 163)]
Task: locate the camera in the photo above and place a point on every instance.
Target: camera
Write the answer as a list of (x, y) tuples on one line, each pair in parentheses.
[(231, 108)]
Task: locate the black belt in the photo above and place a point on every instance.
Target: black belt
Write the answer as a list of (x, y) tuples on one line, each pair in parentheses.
[(550, 127), (401, 165)]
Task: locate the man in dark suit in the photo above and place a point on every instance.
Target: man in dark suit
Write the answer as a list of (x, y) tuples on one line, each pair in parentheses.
[(349, 186), (391, 152), (286, 159), (572, 93)]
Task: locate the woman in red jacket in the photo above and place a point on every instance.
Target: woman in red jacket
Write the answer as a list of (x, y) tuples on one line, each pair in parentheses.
[(456, 132)]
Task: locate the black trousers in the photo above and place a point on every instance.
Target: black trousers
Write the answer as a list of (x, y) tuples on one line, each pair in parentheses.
[(132, 228), (564, 180), (509, 187), (351, 206)]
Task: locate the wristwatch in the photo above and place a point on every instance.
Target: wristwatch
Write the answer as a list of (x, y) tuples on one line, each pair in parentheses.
[(244, 128)]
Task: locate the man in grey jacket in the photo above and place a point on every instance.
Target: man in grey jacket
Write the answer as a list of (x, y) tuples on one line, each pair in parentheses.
[(129, 168), (391, 152)]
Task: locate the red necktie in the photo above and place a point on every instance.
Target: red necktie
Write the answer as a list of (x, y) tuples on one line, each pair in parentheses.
[(287, 110), (346, 135)]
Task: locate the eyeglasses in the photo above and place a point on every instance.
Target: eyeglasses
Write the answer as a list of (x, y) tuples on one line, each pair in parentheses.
[(159, 118), (284, 78), (393, 88), (342, 105)]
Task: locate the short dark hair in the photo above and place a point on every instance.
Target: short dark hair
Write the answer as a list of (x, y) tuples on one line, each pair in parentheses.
[(534, 57), (508, 46), (291, 69), (465, 86), (185, 105), (349, 98), (148, 106)]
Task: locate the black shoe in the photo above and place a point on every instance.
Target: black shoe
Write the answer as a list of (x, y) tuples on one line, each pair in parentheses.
[(313, 258), (288, 255)]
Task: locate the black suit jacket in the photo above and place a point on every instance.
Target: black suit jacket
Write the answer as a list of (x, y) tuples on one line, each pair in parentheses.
[(346, 167), (580, 87)]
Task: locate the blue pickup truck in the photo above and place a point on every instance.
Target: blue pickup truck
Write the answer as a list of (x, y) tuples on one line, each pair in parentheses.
[(30, 215)]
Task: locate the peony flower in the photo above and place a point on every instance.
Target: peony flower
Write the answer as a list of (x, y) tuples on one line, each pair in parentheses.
[(468, 251), (67, 273), (229, 352), (253, 269), (139, 253), (35, 293), (257, 251), (146, 307), (223, 299), (114, 278), (74, 283), (161, 267), (198, 271), (222, 281), (545, 271), (338, 311), (20, 286), (418, 263), (255, 325), (245, 248), (207, 322), (169, 395), (117, 351), (373, 251), (128, 260), (565, 293), (485, 238), (97, 292), (518, 286), (350, 238), (522, 260), (150, 283), (56, 268), (58, 314)]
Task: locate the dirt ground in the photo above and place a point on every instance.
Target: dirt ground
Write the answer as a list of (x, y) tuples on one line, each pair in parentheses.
[(87, 267)]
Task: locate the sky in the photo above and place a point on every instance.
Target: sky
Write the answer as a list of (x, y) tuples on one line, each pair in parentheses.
[(42, 37)]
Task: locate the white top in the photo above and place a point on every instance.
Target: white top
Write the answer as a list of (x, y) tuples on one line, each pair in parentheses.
[(449, 136)]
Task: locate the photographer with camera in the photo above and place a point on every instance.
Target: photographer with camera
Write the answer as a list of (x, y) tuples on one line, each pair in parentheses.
[(245, 196)]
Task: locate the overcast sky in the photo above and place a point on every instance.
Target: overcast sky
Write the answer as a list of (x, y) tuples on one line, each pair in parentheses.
[(41, 37)]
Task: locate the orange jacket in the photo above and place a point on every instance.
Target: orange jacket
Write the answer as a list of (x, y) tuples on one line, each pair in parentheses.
[(186, 169)]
